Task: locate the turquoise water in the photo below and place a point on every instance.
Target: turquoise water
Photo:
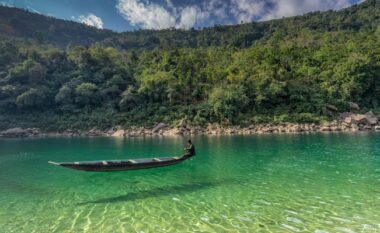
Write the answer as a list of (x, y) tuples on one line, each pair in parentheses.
[(284, 183)]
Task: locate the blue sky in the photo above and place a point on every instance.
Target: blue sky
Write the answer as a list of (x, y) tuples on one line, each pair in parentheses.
[(125, 15)]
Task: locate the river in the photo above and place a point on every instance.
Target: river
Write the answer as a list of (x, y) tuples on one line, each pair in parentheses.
[(269, 183)]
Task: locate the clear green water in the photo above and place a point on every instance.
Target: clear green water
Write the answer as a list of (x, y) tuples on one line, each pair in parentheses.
[(291, 183)]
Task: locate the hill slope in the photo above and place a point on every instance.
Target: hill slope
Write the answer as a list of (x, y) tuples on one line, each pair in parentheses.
[(23, 24), (282, 70), (18, 23)]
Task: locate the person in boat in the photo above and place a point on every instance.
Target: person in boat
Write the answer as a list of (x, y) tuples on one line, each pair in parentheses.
[(190, 150)]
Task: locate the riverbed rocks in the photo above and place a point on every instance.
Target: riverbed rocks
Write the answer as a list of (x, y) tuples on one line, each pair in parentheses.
[(346, 122), (19, 132), (94, 132), (159, 127), (118, 133)]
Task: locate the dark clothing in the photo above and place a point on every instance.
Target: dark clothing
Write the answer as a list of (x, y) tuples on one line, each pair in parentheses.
[(191, 150)]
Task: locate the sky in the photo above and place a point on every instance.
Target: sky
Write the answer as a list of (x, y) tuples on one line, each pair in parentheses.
[(127, 15)]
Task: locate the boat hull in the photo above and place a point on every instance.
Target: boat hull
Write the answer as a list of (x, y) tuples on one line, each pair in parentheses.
[(122, 165)]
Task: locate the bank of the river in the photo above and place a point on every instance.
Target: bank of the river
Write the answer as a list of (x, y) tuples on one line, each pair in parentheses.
[(346, 122)]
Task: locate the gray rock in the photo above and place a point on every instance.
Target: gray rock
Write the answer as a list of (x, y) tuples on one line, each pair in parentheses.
[(158, 127), (359, 118), (369, 114), (348, 120), (354, 107), (372, 120), (14, 132)]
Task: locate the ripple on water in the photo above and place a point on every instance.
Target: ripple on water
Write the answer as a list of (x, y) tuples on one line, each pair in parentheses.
[(288, 227), (345, 230), (320, 231), (294, 220)]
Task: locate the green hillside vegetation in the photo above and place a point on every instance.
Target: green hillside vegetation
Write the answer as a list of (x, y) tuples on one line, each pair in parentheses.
[(17, 23), (284, 70)]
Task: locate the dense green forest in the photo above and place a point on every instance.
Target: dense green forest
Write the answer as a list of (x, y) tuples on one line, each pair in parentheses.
[(284, 70)]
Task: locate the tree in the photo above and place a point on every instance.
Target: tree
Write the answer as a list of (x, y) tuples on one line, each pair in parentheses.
[(86, 94), (65, 95), (33, 98), (228, 102)]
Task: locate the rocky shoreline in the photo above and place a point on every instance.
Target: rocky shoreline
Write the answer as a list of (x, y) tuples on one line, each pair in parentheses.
[(345, 122)]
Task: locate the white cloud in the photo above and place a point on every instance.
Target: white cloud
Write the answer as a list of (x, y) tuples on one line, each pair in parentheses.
[(150, 15), (6, 4), (248, 10), (285, 8), (190, 16), (91, 20)]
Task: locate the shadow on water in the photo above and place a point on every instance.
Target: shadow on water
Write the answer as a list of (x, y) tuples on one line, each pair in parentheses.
[(160, 192)]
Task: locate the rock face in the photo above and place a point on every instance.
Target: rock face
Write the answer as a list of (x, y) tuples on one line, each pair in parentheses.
[(158, 127), (19, 132), (95, 133), (119, 133), (347, 121), (371, 118), (15, 132), (359, 118)]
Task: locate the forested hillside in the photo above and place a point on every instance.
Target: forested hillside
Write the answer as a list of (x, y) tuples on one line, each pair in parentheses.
[(276, 71), (17, 23)]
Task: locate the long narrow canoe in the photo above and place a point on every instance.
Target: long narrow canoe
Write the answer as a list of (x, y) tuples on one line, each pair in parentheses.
[(122, 165)]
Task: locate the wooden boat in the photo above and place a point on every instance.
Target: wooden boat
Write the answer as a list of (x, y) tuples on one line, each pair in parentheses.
[(122, 165)]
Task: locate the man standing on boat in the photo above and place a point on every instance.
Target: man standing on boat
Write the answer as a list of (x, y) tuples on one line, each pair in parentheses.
[(190, 150)]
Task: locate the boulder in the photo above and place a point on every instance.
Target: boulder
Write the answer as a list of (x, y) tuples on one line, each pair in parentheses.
[(354, 127), (94, 132), (158, 127), (214, 129), (359, 118), (325, 128), (377, 128), (33, 131), (119, 133), (348, 120), (173, 132), (335, 128), (369, 114), (372, 120), (354, 107), (345, 115), (14, 132)]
